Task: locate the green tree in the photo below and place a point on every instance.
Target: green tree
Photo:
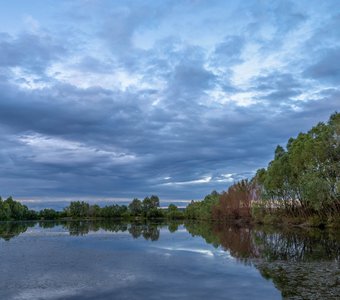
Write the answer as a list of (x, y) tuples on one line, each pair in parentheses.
[(173, 212), (48, 214), (78, 209), (304, 179), (5, 211), (136, 207)]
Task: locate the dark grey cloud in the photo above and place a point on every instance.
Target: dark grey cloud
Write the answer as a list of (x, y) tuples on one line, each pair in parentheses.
[(29, 51), (276, 80), (280, 16), (121, 24), (327, 68), (190, 80), (155, 147), (287, 16), (100, 114), (229, 50), (94, 65), (278, 87), (328, 34)]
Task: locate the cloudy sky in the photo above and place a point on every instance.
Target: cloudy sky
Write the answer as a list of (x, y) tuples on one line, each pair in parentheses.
[(124, 99)]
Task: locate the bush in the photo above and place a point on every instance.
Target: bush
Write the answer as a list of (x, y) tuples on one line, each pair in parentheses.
[(316, 221), (272, 219)]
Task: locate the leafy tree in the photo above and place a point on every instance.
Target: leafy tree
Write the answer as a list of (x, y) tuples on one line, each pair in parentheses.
[(304, 178), (136, 207), (5, 211), (173, 212), (202, 210), (78, 209), (154, 201), (150, 203), (94, 211), (48, 214)]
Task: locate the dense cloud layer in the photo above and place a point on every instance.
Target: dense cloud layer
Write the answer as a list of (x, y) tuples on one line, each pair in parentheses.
[(178, 99)]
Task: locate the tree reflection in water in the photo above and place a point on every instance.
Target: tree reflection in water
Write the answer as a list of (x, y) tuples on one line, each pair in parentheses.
[(303, 263), (149, 231), (9, 230)]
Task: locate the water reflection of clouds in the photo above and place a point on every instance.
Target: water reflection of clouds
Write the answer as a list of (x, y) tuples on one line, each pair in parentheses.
[(107, 258), (225, 254), (58, 293), (104, 265), (206, 252), (199, 251), (76, 287)]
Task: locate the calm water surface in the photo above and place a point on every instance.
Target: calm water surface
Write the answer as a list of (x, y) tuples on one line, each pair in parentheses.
[(113, 260)]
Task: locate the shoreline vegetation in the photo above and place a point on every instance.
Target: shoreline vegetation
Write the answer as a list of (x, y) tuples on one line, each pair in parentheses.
[(300, 187)]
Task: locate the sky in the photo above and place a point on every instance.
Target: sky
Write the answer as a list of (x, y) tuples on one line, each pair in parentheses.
[(122, 99)]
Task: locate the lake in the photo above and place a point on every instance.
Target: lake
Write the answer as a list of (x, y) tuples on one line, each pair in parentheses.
[(115, 260)]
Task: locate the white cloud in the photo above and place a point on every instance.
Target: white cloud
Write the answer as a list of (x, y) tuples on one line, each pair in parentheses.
[(53, 150), (205, 179), (225, 178), (193, 250)]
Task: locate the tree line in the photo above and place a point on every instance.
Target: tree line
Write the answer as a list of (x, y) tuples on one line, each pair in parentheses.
[(148, 208)]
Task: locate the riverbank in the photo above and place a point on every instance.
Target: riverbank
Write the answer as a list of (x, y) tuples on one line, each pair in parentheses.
[(311, 221)]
